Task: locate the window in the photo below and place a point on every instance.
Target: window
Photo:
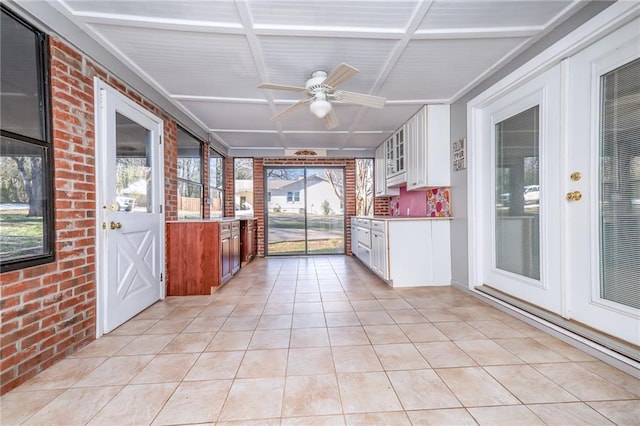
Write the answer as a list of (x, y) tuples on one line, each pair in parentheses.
[(26, 202), (216, 184), (190, 191), (269, 196), (243, 184), (364, 187), (293, 196)]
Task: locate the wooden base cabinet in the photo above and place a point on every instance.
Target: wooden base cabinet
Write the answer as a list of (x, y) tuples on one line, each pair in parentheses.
[(248, 240), (201, 255)]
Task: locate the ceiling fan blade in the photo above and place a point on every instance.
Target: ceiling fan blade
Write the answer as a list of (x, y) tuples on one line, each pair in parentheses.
[(360, 99), (331, 119), (281, 87), (288, 110), (342, 73)]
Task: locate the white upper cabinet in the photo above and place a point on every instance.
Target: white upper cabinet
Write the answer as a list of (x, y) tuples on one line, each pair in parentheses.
[(396, 159), (427, 148), (381, 173)]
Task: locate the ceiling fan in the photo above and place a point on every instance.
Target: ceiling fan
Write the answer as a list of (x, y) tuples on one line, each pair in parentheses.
[(321, 89)]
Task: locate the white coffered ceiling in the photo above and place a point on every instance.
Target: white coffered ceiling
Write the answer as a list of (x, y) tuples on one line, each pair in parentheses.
[(208, 57)]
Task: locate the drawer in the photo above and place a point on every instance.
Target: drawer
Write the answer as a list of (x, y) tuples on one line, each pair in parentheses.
[(364, 223), (364, 237), (225, 228), (379, 226)]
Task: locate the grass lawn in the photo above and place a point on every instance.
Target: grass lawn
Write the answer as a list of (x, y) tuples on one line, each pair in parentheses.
[(19, 235), (327, 246)]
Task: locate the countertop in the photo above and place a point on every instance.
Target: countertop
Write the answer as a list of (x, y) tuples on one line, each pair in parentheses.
[(403, 218), (213, 219)]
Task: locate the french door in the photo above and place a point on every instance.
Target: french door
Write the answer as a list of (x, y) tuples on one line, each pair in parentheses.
[(522, 232), (129, 169), (603, 160), (305, 210), (558, 188)]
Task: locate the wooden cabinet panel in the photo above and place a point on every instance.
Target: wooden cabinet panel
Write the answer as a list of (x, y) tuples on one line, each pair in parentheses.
[(235, 251), (192, 253), (201, 255), (225, 252)]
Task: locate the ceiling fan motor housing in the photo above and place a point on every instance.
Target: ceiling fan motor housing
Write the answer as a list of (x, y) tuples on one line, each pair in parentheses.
[(314, 84)]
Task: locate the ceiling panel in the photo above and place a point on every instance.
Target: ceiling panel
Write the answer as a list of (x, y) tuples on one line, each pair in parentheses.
[(388, 118), (418, 74), (250, 140), (189, 63), (212, 11), (333, 14), (229, 115), (315, 140), (366, 140), (291, 60), (490, 14)]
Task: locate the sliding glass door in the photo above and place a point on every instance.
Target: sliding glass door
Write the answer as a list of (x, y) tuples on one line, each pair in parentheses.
[(305, 210)]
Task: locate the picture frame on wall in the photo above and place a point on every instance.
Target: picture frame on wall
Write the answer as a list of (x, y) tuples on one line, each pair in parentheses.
[(459, 155)]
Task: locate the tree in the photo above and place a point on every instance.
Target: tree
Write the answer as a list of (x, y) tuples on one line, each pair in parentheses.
[(284, 174), (336, 178), (243, 168), (31, 174), (325, 207), (364, 186)]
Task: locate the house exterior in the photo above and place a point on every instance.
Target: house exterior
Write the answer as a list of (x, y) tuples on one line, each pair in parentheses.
[(51, 308), (317, 196)]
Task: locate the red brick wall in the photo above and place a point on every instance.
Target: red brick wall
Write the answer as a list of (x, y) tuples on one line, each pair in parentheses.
[(229, 188), (258, 200), (381, 206), (258, 189), (49, 311)]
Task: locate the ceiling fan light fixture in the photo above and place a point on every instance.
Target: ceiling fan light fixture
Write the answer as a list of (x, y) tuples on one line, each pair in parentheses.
[(320, 108)]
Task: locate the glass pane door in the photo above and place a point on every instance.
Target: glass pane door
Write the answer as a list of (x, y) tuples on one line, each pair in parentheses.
[(620, 186), (325, 215), (517, 209), (305, 210)]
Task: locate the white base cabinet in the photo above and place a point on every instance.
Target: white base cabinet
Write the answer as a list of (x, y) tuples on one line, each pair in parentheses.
[(409, 252), (354, 236), (364, 240)]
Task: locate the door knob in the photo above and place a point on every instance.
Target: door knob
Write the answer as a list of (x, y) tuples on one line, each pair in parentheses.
[(115, 225), (574, 196)]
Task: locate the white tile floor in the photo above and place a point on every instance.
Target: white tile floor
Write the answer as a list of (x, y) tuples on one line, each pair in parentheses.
[(323, 341)]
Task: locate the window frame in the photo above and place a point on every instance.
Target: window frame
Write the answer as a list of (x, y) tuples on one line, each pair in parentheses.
[(188, 181), (46, 144), (221, 188), (242, 199)]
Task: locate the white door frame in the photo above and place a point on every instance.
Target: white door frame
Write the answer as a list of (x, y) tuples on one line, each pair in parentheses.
[(101, 91)]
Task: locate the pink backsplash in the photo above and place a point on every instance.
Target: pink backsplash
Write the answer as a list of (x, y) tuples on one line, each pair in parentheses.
[(435, 202)]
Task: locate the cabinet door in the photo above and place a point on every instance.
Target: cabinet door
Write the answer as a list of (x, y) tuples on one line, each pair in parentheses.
[(379, 254), (381, 164), (235, 253), (399, 155), (417, 151), (225, 258), (380, 170)]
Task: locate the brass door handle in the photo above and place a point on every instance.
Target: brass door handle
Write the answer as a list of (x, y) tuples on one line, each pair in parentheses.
[(115, 225), (574, 196)]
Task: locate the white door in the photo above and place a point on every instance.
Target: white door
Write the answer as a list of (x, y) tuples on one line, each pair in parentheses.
[(519, 202), (603, 226), (129, 169)]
